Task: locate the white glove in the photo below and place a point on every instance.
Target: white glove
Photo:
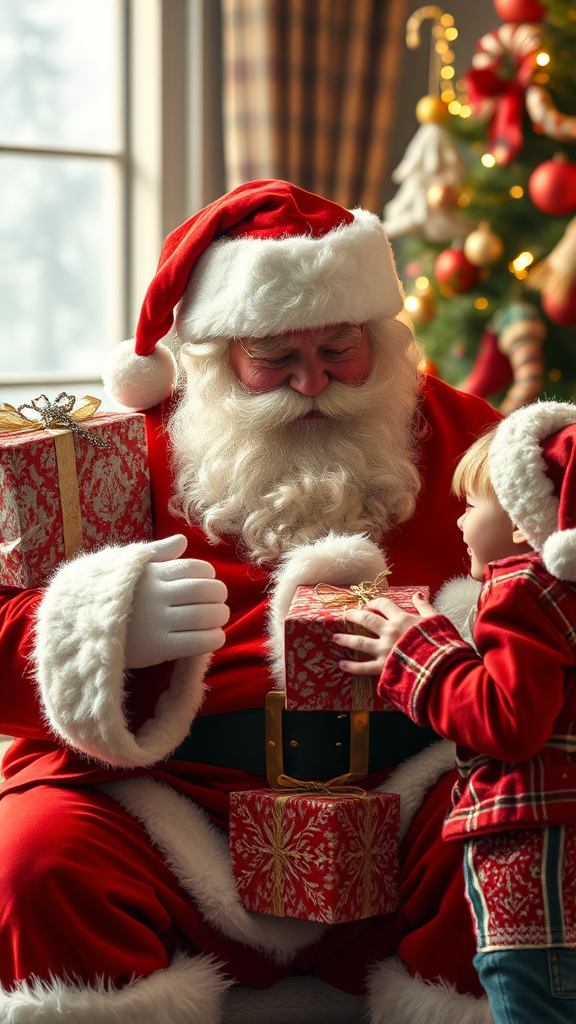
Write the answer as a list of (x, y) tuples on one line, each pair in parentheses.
[(178, 608)]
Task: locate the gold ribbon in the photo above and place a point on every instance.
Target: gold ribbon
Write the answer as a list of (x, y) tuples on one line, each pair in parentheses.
[(278, 848), (60, 419), (358, 594), (334, 787)]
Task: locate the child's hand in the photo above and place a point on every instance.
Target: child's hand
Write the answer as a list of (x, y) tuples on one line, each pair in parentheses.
[(388, 622)]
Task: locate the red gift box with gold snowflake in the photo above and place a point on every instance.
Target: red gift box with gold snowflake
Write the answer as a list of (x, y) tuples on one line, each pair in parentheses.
[(314, 680), (319, 857), (71, 479)]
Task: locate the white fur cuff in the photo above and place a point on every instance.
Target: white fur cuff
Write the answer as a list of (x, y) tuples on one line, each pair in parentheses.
[(80, 640), (339, 559), (189, 991)]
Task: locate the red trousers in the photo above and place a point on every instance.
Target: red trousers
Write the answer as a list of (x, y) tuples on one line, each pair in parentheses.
[(83, 892)]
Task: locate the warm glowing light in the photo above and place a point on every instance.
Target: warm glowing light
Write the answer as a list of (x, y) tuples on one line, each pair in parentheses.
[(441, 46), (447, 71), (481, 303), (448, 95), (542, 59), (451, 34), (465, 110), (521, 274), (448, 57), (522, 261), (454, 107), (422, 283), (555, 374), (447, 20), (411, 303), (488, 160), (464, 199), (516, 191), (542, 78)]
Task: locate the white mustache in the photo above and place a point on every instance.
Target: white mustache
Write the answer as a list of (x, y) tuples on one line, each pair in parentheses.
[(281, 406)]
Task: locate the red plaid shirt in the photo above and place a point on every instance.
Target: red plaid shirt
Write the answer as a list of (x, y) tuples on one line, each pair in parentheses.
[(510, 706)]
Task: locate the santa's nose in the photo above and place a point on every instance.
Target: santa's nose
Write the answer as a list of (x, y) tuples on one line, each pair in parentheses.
[(309, 380)]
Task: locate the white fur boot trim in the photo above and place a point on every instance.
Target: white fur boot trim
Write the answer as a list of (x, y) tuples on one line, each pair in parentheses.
[(339, 559), (80, 639), (414, 778), (398, 998), (189, 991), (197, 854)]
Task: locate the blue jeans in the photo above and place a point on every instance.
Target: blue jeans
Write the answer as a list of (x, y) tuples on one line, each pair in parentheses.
[(530, 986)]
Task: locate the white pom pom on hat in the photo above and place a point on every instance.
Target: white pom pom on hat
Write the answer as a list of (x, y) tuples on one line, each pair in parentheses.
[(533, 470), (268, 257)]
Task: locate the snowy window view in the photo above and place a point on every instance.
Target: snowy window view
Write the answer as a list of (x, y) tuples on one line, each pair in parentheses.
[(61, 182)]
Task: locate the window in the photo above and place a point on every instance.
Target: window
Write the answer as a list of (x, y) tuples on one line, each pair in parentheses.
[(101, 155), (63, 166)]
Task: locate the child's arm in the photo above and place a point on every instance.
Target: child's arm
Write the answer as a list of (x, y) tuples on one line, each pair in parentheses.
[(388, 622)]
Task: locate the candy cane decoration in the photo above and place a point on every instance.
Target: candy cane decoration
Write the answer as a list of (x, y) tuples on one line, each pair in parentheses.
[(547, 118)]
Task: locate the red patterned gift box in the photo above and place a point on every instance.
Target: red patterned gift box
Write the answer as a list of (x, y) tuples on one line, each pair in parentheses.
[(316, 857), (64, 490), (314, 680)]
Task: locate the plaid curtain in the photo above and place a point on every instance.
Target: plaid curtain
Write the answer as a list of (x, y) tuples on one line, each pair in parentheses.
[(309, 91)]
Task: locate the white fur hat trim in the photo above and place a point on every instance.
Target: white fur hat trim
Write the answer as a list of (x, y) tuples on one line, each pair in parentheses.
[(252, 287), (518, 469), (559, 554), (138, 382)]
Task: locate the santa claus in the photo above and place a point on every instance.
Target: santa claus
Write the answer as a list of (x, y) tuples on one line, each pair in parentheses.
[(298, 444)]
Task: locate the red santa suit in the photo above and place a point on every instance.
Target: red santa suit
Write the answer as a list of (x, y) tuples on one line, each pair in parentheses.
[(114, 860)]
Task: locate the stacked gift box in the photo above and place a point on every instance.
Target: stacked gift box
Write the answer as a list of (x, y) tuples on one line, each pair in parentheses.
[(320, 851), (71, 479)]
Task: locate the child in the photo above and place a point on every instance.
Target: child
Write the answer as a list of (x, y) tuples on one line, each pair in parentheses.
[(509, 703)]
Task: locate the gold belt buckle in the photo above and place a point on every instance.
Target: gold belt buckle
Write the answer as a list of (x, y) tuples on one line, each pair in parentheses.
[(359, 740)]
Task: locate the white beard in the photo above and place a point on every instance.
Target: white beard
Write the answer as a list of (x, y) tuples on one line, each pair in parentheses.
[(247, 464)]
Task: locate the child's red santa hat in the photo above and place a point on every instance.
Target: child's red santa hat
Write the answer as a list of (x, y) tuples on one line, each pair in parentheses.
[(533, 470), (265, 259)]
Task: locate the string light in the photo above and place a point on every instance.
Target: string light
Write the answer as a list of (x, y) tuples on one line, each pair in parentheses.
[(488, 160), (542, 59), (555, 374), (516, 191), (522, 261), (422, 283), (411, 303), (481, 303)]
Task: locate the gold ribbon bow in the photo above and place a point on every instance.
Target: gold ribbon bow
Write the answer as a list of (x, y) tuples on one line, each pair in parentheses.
[(334, 787), (62, 421), (52, 415), (360, 593)]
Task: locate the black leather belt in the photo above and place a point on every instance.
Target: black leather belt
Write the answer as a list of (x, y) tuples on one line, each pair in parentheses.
[(316, 744)]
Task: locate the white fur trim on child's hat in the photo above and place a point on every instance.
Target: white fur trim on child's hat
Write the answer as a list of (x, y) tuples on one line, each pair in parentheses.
[(518, 471)]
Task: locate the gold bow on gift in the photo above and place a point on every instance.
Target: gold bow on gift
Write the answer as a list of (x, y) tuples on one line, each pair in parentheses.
[(361, 593), (52, 415), (340, 786), (60, 419)]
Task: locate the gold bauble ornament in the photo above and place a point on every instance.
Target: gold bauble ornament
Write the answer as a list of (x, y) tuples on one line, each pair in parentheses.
[(441, 196), (483, 247), (431, 110)]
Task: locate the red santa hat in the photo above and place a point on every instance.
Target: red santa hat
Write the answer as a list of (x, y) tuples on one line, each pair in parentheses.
[(533, 470), (264, 259)]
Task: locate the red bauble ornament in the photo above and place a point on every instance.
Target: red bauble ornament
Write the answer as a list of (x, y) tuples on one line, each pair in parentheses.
[(519, 10), (552, 187), (455, 271), (561, 311)]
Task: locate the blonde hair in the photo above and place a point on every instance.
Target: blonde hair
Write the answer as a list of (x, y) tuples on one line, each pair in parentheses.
[(473, 471)]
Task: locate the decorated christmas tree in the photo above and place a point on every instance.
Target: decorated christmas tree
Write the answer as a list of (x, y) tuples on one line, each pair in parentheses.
[(482, 222)]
